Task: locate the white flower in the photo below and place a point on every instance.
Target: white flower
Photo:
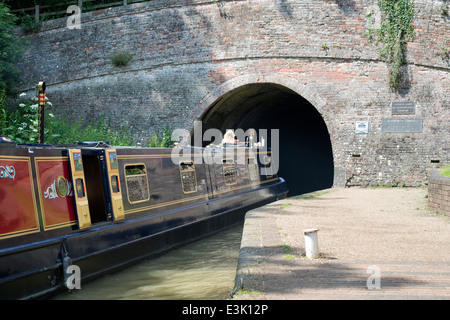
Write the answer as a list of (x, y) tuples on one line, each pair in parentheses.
[(20, 128), (21, 105), (22, 95), (50, 104), (51, 115), (34, 106)]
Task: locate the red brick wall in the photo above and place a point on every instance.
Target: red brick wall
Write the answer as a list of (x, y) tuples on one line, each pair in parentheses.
[(439, 193)]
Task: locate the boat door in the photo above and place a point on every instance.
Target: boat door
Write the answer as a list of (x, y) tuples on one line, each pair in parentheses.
[(214, 172), (79, 182), (211, 180), (114, 187)]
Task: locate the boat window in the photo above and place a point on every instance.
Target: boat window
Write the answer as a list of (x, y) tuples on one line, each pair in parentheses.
[(229, 172), (188, 177), (115, 184), (79, 186), (252, 168), (137, 183)]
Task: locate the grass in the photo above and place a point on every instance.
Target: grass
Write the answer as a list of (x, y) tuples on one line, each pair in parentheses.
[(445, 171), (250, 292), (286, 248), (288, 251), (401, 184), (313, 195), (285, 205)]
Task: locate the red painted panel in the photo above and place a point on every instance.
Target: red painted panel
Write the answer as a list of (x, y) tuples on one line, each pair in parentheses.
[(56, 193), (17, 204)]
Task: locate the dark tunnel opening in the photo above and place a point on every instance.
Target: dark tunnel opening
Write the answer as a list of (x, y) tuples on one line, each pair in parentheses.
[(306, 159)]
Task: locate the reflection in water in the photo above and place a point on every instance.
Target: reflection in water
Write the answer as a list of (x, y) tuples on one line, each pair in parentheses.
[(202, 270)]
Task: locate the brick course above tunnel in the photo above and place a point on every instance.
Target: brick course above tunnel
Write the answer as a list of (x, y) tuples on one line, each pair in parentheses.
[(187, 54)]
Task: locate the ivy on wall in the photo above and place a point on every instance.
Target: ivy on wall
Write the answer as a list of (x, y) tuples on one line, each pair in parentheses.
[(394, 31)]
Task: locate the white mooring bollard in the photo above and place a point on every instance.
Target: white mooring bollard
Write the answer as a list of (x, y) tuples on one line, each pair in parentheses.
[(311, 243)]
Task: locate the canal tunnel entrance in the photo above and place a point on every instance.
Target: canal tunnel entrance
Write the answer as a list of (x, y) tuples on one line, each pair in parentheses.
[(306, 159)]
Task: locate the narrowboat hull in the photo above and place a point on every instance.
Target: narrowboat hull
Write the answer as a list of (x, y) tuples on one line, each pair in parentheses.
[(102, 209)]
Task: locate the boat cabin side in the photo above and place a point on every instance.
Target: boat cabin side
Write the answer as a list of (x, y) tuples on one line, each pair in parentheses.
[(51, 191)]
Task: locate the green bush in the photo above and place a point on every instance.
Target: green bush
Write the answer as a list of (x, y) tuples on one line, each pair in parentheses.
[(121, 59), (11, 49), (161, 140), (63, 132), (21, 125), (29, 24)]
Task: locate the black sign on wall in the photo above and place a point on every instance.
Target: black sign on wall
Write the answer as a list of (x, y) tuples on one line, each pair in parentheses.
[(403, 107)]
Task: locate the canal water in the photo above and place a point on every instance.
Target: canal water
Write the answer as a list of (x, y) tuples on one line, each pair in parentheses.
[(203, 270)]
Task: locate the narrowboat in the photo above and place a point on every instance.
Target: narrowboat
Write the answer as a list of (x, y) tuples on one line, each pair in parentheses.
[(102, 208)]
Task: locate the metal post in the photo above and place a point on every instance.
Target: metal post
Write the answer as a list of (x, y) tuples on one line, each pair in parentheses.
[(41, 112), (80, 5), (36, 13), (311, 243)]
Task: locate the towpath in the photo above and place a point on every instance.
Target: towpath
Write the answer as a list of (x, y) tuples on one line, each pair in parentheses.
[(378, 243)]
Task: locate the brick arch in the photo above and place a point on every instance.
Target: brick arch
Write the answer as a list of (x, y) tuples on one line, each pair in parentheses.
[(277, 102), (306, 90)]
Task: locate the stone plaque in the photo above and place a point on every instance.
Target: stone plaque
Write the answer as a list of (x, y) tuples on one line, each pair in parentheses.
[(403, 107), (401, 125)]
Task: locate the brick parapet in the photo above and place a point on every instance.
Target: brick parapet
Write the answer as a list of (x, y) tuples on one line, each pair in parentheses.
[(439, 193)]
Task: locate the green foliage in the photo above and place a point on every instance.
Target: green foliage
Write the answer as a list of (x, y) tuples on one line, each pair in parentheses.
[(286, 248), (396, 30), (444, 52), (11, 49), (445, 171), (21, 125), (3, 104), (444, 8), (65, 132), (29, 23), (285, 205), (161, 140), (121, 59)]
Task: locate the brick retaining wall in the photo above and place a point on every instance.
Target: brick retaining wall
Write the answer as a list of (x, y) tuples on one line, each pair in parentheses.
[(439, 193)]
